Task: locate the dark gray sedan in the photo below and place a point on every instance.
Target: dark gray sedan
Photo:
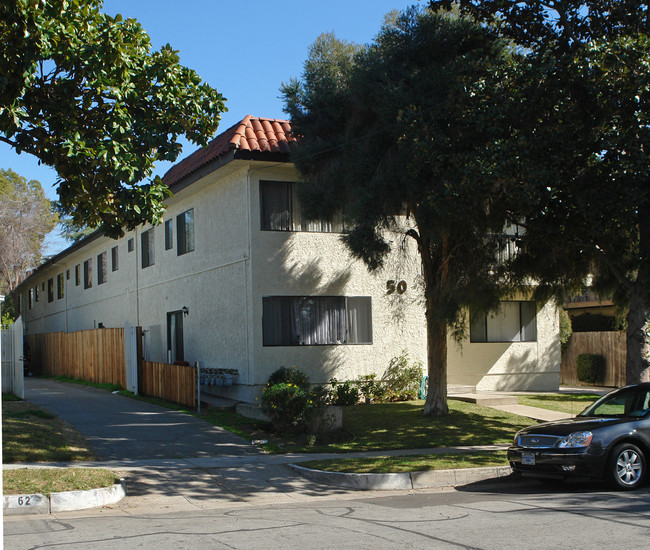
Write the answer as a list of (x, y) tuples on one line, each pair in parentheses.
[(609, 439)]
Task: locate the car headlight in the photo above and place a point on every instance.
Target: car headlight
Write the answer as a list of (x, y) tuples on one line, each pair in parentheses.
[(576, 439)]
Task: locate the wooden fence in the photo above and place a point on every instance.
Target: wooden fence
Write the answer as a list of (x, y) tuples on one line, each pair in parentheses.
[(91, 355), (170, 382), (99, 356), (611, 345)]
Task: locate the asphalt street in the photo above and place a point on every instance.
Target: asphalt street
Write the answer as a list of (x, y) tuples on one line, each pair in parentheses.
[(480, 516)]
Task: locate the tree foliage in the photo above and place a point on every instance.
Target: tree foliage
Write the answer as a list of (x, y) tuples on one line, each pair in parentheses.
[(393, 129), (577, 163), (85, 94), (25, 218)]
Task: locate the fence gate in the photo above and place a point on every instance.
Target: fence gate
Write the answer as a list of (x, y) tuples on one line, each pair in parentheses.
[(11, 353)]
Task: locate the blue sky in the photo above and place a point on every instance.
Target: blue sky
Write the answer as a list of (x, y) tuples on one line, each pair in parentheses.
[(244, 49)]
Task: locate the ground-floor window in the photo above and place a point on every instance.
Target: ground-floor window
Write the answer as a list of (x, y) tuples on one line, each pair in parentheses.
[(316, 320), (513, 322)]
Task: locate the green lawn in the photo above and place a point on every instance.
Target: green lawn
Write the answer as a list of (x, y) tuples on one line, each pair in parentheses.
[(561, 402), (31, 434), (48, 480), (414, 463)]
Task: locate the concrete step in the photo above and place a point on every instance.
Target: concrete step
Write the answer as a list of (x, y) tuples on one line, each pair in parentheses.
[(215, 402), (486, 399), (459, 389)]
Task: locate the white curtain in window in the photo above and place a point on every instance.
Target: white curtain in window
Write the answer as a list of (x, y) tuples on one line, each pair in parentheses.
[(359, 320), (503, 325)]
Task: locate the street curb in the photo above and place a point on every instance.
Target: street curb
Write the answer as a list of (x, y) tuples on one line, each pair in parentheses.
[(21, 505), (431, 479)]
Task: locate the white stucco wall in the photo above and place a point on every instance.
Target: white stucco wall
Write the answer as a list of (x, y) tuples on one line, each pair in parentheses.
[(235, 264), (318, 264)]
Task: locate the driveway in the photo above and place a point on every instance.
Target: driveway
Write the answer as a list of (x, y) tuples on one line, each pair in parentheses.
[(119, 428), (170, 459)]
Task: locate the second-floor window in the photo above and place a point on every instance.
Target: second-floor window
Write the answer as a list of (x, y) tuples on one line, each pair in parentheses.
[(115, 259), (169, 234), (59, 286), (77, 275), (88, 274), (185, 232), (280, 210), (50, 290), (147, 243), (101, 268)]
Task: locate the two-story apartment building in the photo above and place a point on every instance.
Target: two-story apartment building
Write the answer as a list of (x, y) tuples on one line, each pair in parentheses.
[(234, 278)]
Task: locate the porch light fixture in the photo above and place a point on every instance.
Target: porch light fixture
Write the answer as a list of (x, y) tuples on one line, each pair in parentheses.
[(185, 311)]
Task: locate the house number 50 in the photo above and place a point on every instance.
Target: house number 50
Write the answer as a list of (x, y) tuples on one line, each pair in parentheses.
[(394, 286)]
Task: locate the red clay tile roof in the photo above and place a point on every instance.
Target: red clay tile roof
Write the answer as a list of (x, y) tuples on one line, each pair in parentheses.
[(253, 135)]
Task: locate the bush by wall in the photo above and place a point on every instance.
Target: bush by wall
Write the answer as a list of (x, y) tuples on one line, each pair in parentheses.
[(590, 368), (291, 403), (343, 394), (402, 378)]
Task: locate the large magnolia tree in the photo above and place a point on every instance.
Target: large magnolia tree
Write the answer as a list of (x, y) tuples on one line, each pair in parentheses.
[(84, 93)]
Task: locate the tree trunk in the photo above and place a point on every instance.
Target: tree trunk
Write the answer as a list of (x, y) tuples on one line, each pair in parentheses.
[(436, 403), (638, 316), (638, 339), (436, 275)]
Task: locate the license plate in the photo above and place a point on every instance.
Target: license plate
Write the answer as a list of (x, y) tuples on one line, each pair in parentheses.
[(528, 459)]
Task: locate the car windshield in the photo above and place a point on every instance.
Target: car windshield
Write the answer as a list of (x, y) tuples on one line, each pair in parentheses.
[(633, 401)]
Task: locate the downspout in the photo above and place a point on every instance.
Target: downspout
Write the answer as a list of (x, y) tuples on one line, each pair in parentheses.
[(248, 264), (137, 279)]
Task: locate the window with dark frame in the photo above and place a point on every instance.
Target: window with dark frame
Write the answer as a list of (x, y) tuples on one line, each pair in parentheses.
[(67, 274), (169, 234), (36, 294), (88, 274), (316, 320), (77, 275), (515, 321), (50, 289), (185, 232), (147, 243), (280, 211), (60, 289), (115, 259), (101, 268), (30, 298), (129, 245)]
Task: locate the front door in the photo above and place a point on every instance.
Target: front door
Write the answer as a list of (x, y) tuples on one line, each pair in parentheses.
[(175, 351)]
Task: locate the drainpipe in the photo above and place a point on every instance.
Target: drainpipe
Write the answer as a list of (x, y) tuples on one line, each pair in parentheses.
[(247, 264)]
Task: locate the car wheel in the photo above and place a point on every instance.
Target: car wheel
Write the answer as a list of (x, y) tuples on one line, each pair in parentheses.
[(627, 467)]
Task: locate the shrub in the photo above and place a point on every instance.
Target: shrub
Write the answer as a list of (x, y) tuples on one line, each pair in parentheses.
[(343, 393), (291, 403), (371, 388), (289, 376), (402, 378), (590, 368)]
